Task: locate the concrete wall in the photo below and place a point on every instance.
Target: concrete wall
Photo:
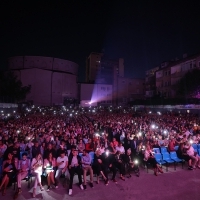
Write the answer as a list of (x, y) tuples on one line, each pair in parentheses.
[(63, 85), (48, 87), (51, 79), (40, 81)]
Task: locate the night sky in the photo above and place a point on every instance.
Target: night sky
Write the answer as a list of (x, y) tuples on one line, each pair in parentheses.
[(144, 33)]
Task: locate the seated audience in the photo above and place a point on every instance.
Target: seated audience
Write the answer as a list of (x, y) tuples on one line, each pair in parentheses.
[(9, 171), (62, 164), (74, 166), (50, 167), (149, 157), (86, 161), (37, 169)]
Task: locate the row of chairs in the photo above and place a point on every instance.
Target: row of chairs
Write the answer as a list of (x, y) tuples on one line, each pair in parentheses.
[(160, 150), (166, 158), (164, 149)]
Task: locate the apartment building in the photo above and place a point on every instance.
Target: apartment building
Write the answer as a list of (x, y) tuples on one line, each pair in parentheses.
[(150, 82), (102, 70), (170, 73)]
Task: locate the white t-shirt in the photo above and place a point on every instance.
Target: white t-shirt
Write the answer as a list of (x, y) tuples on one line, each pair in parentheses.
[(65, 159)]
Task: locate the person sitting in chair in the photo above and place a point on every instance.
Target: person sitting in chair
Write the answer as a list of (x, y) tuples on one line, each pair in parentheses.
[(149, 157), (9, 171), (37, 169), (62, 164), (23, 170), (74, 166), (86, 161)]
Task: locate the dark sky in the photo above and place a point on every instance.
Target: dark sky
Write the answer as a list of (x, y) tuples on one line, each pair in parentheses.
[(144, 33)]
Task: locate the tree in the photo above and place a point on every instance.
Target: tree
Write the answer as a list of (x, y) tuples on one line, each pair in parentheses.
[(189, 85), (11, 89)]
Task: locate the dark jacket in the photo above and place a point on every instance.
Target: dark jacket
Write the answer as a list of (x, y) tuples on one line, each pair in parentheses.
[(70, 159)]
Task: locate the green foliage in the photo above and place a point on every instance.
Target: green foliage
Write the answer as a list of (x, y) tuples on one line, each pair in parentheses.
[(11, 89), (189, 85)]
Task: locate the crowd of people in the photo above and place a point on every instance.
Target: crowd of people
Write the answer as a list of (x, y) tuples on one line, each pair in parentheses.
[(52, 143)]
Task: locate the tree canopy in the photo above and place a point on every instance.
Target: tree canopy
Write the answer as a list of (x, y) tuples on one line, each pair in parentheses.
[(189, 85), (11, 89)]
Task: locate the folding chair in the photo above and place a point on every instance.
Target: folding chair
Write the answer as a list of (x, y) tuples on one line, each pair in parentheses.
[(174, 157), (168, 160), (159, 160)]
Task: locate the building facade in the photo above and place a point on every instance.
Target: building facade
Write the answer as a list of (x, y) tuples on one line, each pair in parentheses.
[(169, 75), (102, 70), (129, 90), (53, 81), (150, 82)]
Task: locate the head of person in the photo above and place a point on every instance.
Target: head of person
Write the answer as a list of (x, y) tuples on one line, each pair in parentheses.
[(50, 146), (148, 147), (50, 156), (24, 156), (10, 156), (16, 145), (85, 152), (128, 151), (119, 144), (188, 143), (98, 152), (75, 152), (36, 144), (80, 141), (111, 144), (114, 139), (38, 156), (62, 154)]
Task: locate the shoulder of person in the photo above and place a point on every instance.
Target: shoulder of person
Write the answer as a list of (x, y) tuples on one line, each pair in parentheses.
[(34, 159)]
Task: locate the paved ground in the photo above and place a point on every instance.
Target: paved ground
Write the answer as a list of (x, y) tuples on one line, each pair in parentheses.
[(180, 184)]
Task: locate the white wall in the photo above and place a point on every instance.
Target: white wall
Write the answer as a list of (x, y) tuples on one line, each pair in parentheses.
[(44, 81), (51, 79), (40, 81), (63, 85)]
